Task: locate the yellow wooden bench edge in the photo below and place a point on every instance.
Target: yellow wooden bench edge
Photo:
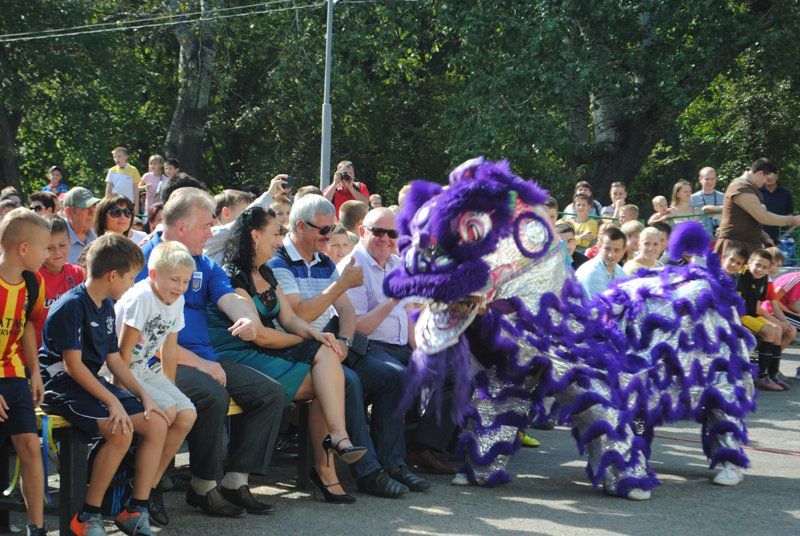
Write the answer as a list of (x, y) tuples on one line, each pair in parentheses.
[(57, 421)]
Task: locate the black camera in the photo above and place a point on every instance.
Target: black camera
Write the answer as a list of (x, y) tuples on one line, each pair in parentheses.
[(345, 176), (288, 183)]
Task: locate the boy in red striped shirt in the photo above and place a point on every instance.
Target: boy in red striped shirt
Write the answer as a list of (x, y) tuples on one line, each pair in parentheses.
[(24, 238)]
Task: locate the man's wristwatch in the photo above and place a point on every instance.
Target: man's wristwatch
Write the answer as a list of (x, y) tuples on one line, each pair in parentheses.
[(349, 342)]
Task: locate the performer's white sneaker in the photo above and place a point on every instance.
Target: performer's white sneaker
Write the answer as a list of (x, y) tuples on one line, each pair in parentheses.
[(460, 480), (637, 494), (730, 475)]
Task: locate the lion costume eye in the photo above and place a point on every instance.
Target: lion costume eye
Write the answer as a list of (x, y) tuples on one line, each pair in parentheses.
[(473, 226)]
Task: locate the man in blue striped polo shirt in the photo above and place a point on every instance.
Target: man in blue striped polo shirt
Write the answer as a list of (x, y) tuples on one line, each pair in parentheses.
[(317, 293)]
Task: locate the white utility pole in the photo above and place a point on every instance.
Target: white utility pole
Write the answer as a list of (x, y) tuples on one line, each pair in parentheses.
[(325, 156)]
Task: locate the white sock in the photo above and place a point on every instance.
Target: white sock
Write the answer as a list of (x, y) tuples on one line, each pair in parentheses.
[(234, 480), (201, 487)]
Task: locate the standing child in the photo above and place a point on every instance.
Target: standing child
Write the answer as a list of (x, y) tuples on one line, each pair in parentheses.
[(632, 230), (153, 180), (59, 275), (123, 178), (24, 237), (149, 317), (585, 227), (661, 210), (78, 338), (56, 184), (649, 250)]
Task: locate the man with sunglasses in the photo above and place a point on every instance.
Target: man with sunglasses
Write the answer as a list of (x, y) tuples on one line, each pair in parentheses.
[(345, 187), (79, 208), (316, 290), (387, 323)]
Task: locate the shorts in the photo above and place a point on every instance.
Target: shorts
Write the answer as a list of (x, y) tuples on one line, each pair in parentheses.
[(163, 392), (754, 323), (65, 397), (21, 419)]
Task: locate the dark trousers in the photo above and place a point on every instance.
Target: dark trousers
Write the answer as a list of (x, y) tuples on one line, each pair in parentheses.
[(434, 428), (253, 432)]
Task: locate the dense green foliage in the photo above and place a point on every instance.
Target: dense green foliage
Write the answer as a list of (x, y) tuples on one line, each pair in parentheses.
[(645, 91)]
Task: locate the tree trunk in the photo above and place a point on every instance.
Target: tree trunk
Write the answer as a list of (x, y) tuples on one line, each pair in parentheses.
[(9, 125), (198, 49)]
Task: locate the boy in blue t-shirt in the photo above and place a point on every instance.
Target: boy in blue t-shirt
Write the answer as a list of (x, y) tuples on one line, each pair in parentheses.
[(79, 337)]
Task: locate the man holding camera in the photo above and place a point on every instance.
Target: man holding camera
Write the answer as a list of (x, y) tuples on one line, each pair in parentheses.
[(345, 187)]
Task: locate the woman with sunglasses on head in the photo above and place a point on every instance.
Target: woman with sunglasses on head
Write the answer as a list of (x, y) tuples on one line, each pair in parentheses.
[(305, 361), (115, 215)]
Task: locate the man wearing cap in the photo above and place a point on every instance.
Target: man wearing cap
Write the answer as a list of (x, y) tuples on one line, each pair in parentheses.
[(79, 206)]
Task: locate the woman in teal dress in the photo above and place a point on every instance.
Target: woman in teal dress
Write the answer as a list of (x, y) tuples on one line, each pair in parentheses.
[(305, 361)]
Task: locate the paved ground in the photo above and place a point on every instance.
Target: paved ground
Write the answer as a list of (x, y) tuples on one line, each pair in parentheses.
[(550, 495)]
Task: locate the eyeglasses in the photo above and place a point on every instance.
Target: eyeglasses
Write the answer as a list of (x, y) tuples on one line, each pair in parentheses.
[(322, 230), (379, 232), (116, 212), (37, 208)]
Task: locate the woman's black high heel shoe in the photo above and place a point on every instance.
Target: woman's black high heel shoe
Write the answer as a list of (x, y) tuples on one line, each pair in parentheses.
[(344, 498), (348, 454)]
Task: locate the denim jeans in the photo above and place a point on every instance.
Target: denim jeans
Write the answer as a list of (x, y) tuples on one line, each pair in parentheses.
[(434, 428), (382, 383)]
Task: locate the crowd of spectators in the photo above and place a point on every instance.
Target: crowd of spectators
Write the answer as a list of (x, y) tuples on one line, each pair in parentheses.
[(158, 304)]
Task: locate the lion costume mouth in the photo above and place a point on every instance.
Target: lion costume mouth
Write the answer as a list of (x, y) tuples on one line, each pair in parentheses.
[(441, 324)]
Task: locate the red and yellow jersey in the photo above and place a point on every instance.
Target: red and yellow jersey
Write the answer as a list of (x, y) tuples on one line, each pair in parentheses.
[(13, 299)]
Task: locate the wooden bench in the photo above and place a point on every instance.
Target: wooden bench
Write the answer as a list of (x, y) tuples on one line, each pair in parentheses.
[(72, 458)]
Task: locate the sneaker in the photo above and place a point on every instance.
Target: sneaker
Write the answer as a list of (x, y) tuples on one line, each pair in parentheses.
[(766, 384), (730, 475), (460, 480), (134, 521), (93, 526), (780, 381), (638, 494), (33, 530), (158, 513), (528, 441)]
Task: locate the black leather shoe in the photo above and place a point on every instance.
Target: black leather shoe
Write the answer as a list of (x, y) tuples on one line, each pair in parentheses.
[(405, 476), (381, 484), (214, 504), (158, 514), (242, 497), (428, 462)]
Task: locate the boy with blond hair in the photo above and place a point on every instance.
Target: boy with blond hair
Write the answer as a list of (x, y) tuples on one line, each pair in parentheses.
[(149, 317), (585, 227), (24, 238), (123, 178), (78, 339), (661, 210)]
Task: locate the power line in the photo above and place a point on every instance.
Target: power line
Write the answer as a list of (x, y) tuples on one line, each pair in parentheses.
[(140, 20), (4, 39)]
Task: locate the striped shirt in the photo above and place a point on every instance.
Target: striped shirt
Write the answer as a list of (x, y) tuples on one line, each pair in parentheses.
[(14, 297), (309, 279)]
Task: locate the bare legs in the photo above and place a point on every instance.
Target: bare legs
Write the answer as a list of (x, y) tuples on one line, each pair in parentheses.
[(325, 384)]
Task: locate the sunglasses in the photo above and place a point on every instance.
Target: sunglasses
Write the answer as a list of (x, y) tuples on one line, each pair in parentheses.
[(379, 232), (116, 212), (322, 230), (37, 208)]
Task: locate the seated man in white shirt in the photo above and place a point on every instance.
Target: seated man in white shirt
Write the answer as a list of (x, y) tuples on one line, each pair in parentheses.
[(597, 274), (391, 332)]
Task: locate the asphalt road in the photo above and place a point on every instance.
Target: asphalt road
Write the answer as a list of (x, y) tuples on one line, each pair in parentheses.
[(550, 494)]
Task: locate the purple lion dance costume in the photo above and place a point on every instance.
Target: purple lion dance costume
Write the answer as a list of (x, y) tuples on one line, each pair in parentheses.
[(506, 321)]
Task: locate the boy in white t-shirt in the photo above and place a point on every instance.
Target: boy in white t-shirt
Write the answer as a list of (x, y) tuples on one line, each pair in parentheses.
[(149, 317), (123, 178)]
